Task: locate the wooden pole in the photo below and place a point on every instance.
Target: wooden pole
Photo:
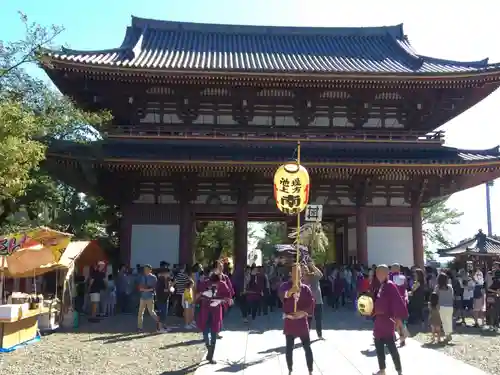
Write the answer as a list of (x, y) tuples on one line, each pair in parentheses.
[(297, 259)]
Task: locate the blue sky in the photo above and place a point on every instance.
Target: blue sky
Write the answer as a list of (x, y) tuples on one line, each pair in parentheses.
[(453, 30)]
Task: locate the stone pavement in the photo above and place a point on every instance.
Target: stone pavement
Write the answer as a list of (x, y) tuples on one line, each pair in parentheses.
[(348, 350)]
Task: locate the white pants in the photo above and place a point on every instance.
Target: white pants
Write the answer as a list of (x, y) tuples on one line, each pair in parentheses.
[(95, 297), (446, 313)]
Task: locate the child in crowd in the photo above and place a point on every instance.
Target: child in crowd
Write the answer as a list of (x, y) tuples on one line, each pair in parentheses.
[(187, 304), (363, 284), (110, 296), (435, 318)]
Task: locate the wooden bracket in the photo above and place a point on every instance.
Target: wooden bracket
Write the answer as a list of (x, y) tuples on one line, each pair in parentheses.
[(185, 187), (416, 194), (242, 188), (361, 189)]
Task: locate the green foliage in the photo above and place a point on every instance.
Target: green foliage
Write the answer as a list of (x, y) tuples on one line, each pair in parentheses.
[(274, 233), (214, 240), (15, 54), (436, 218), (19, 153), (31, 115)]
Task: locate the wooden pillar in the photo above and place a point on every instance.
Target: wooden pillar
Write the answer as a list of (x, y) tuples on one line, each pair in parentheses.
[(345, 244), (333, 241), (186, 232), (361, 235), (339, 248), (417, 234), (241, 236)]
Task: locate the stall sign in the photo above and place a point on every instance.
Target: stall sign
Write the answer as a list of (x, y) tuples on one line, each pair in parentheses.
[(10, 244)]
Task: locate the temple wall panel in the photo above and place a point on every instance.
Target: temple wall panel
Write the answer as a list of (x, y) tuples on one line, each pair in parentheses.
[(150, 233), (398, 202), (344, 201), (388, 245), (378, 201), (389, 236), (389, 217)]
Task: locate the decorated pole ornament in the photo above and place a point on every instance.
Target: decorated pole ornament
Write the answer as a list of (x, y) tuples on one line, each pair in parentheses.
[(291, 191)]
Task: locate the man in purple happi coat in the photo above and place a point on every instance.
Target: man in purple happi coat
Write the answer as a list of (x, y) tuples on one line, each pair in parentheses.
[(218, 268), (389, 311), (295, 320), (212, 295)]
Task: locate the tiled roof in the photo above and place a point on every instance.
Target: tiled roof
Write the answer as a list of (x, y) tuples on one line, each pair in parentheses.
[(165, 45), (479, 244), (478, 155), (238, 152)]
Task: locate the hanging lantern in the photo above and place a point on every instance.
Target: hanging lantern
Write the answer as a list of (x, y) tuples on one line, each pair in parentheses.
[(365, 305), (291, 188)]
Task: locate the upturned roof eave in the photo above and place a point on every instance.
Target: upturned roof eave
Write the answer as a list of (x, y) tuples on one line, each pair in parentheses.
[(469, 247), (461, 246), (326, 164), (51, 63), (385, 52), (493, 154), (466, 252)]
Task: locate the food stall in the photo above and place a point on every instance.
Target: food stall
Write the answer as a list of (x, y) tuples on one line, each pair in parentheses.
[(29, 254), (18, 324)]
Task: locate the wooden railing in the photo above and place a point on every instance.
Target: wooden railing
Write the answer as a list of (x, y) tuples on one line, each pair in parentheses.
[(274, 134)]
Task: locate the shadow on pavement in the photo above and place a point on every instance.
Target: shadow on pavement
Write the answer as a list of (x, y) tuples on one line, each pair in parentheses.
[(181, 344), (184, 371), (122, 328), (281, 349), (342, 319), (122, 323)]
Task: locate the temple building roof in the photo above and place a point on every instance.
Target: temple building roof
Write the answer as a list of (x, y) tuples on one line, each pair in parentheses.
[(182, 46), (234, 151), (480, 244)]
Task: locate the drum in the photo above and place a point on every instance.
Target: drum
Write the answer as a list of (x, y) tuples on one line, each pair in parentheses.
[(365, 305)]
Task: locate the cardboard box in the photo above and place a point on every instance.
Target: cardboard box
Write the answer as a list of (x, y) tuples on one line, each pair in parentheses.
[(10, 312)]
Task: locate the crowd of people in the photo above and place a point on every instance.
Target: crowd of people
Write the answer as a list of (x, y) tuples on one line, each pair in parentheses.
[(203, 295)]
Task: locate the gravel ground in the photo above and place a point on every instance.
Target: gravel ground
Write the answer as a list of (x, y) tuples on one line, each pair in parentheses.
[(478, 347), (111, 346)]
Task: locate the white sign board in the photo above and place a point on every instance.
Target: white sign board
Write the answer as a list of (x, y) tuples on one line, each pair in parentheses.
[(314, 212)]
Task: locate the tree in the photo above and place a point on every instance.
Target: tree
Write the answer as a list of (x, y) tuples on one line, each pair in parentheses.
[(213, 240), (31, 115), (274, 234), (436, 218)]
